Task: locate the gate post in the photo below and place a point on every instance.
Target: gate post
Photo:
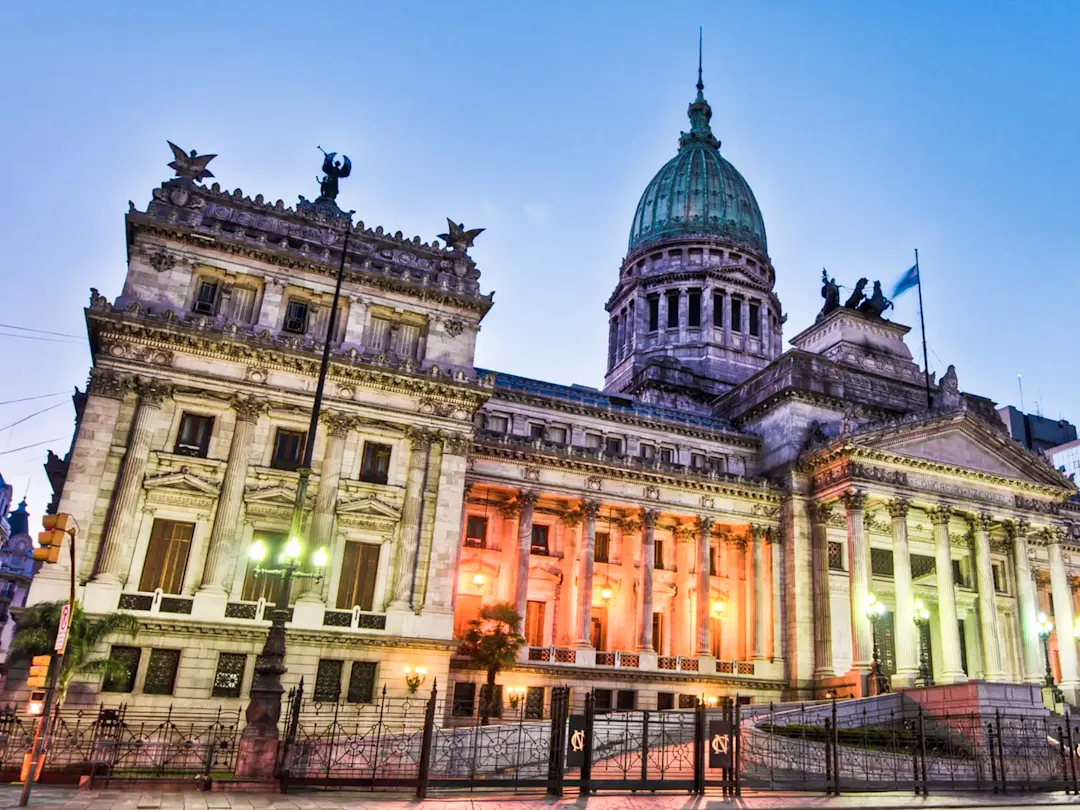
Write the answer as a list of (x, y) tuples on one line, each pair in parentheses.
[(586, 763), (835, 750), (1072, 751), (699, 747), (425, 743), (736, 734), (1001, 748), (557, 740)]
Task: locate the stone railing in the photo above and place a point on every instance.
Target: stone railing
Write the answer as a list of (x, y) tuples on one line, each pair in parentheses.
[(553, 655), (618, 659)]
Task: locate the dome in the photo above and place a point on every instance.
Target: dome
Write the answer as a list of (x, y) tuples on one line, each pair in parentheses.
[(698, 192)]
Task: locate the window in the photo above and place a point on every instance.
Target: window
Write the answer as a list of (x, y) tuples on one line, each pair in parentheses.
[(556, 435), (602, 547), (359, 568), (375, 468), (693, 308), (288, 446), (166, 556), (539, 540), (476, 531), (654, 312), (161, 672), (602, 700), (534, 703), (999, 577), (647, 452), (718, 310), (613, 446), (673, 310), (258, 587), (881, 562), (736, 314), (697, 461), (687, 701), (658, 555), (836, 556), (362, 682), (241, 304), (667, 455), (958, 574), (665, 701), (296, 316), (755, 320), (712, 561), (497, 424), (592, 441), (626, 700), (193, 438), (206, 297), (229, 676), (716, 464), (534, 623), (122, 679), (536, 431), (464, 699), (328, 681), (658, 632)]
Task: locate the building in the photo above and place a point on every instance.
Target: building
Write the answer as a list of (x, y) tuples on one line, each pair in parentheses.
[(712, 523), (1035, 431), (17, 568), (1066, 458)]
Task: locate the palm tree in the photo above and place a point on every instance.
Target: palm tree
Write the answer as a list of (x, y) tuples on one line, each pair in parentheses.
[(35, 634), (492, 642)]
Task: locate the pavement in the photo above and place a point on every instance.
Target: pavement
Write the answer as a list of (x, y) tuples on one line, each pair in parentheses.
[(75, 799)]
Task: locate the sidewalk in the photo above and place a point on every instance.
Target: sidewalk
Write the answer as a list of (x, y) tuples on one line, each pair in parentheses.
[(71, 799)]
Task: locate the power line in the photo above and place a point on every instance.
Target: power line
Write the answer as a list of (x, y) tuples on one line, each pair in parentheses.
[(31, 416), (42, 339), (27, 399), (28, 446), (40, 331)]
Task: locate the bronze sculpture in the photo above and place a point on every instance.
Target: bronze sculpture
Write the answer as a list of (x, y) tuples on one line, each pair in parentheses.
[(190, 167), (334, 171), (458, 238), (857, 295), (830, 291), (876, 304), (873, 307)]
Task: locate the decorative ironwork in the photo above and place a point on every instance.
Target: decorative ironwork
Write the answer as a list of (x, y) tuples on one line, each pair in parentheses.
[(745, 667), (605, 659), (539, 653), (687, 701), (328, 680), (881, 562), (241, 610), (565, 656), (161, 672), (629, 660), (135, 601), (229, 675), (122, 680), (362, 682), (175, 604), (337, 618), (688, 664), (371, 621), (534, 703), (922, 566), (725, 667), (836, 556), (668, 662)]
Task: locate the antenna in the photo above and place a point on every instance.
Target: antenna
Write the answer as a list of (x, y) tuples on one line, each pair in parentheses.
[(1020, 382)]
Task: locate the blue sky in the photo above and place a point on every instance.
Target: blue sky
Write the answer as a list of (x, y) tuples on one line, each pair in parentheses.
[(865, 130)]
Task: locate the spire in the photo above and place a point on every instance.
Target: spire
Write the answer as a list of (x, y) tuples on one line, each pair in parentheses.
[(700, 84), (700, 113)]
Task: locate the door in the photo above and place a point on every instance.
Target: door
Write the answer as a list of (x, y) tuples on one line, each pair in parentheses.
[(534, 623), (597, 635)]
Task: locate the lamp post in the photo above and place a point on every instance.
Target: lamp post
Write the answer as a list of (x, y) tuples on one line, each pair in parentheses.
[(874, 611), (1046, 627), (922, 622)]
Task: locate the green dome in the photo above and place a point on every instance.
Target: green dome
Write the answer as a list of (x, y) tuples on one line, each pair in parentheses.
[(698, 192)]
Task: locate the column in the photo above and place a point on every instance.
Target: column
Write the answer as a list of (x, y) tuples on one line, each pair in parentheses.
[(758, 573), (951, 665), (223, 551), (354, 321), (585, 587), (1025, 602), (526, 501), (777, 570), (859, 564), (904, 629), (704, 524), (989, 634), (727, 318), (113, 562), (707, 312), (1063, 612), (745, 306), (411, 513), (683, 619), (270, 306), (819, 555), (338, 426), (648, 561)]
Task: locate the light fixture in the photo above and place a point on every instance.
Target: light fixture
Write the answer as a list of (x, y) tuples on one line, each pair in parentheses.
[(516, 695), (414, 677), (921, 613), (605, 594), (292, 548), (712, 700), (258, 551), (874, 608), (320, 558), (35, 707), (717, 608), (1045, 625), (478, 580)]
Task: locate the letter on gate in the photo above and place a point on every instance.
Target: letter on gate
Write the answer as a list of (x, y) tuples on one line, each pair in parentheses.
[(575, 752)]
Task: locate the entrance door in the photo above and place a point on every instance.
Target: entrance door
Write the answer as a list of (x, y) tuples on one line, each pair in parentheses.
[(597, 635), (887, 643), (534, 623)]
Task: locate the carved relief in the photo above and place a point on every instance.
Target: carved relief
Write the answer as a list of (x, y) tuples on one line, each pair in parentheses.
[(152, 392), (338, 424), (249, 409), (652, 493), (107, 383), (454, 327), (257, 375), (593, 482), (939, 515), (649, 517), (530, 473), (854, 499), (819, 512), (456, 444), (421, 437), (708, 502), (898, 507)]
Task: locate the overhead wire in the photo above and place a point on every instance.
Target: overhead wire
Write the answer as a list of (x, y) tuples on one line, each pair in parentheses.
[(27, 399), (28, 446), (31, 416), (39, 331)]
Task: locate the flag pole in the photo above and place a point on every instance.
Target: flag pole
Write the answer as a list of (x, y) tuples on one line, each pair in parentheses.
[(922, 326)]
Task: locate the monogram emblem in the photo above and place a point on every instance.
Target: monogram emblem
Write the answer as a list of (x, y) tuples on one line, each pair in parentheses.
[(577, 741), (720, 743)]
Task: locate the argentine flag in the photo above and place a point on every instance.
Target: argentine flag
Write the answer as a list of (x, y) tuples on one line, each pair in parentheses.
[(906, 281)]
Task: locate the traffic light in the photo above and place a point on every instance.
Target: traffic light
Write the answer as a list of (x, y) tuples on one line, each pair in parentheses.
[(39, 671), (56, 529)]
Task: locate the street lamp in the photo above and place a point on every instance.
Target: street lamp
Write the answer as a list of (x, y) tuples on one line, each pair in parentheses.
[(922, 621), (874, 611), (1046, 627)]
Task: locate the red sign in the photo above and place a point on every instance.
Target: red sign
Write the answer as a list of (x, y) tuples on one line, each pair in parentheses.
[(62, 631)]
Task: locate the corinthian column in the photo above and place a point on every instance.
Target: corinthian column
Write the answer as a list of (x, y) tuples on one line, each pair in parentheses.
[(588, 547), (113, 563), (952, 666), (988, 619), (322, 518), (1025, 601), (907, 658), (859, 565), (704, 524), (420, 440), (1063, 611), (525, 501), (648, 560), (758, 575), (222, 552), (819, 555)]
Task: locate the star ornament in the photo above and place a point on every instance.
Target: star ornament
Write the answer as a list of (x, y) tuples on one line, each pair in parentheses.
[(192, 166), (458, 238)]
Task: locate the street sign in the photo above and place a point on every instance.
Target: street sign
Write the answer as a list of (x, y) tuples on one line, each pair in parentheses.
[(62, 631)]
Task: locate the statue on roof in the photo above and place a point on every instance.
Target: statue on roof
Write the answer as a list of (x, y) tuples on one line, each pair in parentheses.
[(334, 171), (949, 395), (458, 238), (857, 295), (190, 167), (830, 291), (876, 304)]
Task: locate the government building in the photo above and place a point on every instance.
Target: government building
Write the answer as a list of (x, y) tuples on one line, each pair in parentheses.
[(725, 517)]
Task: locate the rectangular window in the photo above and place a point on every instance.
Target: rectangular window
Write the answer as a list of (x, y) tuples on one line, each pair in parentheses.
[(296, 317), (602, 547), (495, 704), (539, 540), (673, 310), (534, 703), (497, 424), (263, 587), (658, 555), (161, 672), (688, 701), (665, 701), (667, 455), (736, 314), (654, 312), (241, 304), (375, 468), (697, 461), (122, 678), (658, 632), (716, 464), (534, 623), (536, 431), (613, 446), (193, 437), (229, 676), (359, 568), (377, 336), (602, 700), (464, 699), (405, 340), (718, 310), (556, 435), (166, 556), (592, 441), (362, 682), (626, 700), (476, 531), (206, 297), (288, 449), (836, 556), (958, 574), (647, 452), (755, 320), (328, 681), (712, 561), (693, 308), (999, 578)]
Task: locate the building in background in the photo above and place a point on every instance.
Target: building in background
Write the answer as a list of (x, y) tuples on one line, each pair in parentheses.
[(1037, 433), (1066, 458), (17, 568)]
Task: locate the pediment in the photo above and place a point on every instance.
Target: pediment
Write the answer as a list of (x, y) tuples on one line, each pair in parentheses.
[(370, 506), (279, 493), (182, 480), (737, 276)]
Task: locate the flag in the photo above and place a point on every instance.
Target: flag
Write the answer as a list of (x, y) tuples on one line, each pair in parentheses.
[(906, 281)]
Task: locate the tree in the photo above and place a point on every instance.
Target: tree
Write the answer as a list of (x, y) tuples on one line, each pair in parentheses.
[(35, 634), (492, 642)]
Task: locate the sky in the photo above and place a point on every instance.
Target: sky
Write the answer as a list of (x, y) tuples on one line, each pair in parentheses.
[(866, 130)]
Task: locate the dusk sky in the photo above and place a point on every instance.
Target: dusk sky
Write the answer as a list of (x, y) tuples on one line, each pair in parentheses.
[(865, 130)]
